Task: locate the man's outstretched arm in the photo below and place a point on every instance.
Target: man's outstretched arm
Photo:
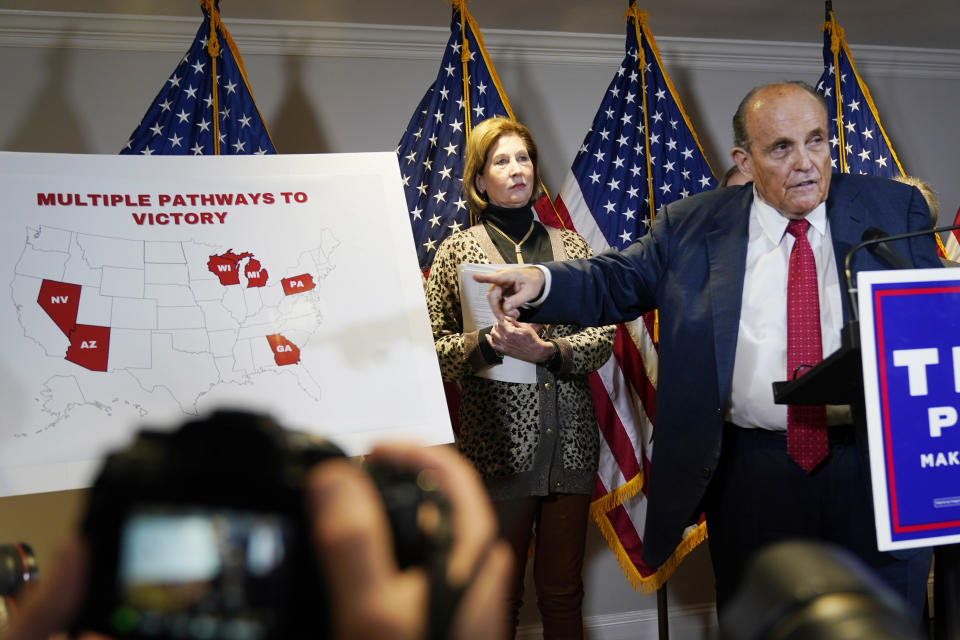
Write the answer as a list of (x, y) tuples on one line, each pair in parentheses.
[(511, 288)]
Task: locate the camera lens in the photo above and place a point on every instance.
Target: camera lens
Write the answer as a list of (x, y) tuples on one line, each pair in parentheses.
[(18, 566)]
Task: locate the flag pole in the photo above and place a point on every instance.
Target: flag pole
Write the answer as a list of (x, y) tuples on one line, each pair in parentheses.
[(213, 48), (835, 46), (461, 6), (663, 616)]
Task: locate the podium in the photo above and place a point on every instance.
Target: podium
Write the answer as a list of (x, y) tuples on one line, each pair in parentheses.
[(838, 379)]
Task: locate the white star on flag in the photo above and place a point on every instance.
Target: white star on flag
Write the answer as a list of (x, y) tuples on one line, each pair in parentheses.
[(177, 123), (603, 198), (437, 133), (847, 94)]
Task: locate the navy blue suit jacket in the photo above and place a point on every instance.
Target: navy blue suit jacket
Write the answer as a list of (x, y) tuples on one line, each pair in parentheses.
[(691, 268)]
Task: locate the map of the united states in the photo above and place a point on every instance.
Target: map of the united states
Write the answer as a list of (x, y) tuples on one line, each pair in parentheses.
[(180, 317)]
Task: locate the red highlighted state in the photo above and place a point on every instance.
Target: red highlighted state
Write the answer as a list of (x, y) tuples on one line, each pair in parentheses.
[(298, 284), (226, 266), (256, 274), (60, 300), (284, 351), (89, 347)]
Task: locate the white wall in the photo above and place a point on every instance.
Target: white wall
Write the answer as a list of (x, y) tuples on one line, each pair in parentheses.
[(79, 84), (76, 83)]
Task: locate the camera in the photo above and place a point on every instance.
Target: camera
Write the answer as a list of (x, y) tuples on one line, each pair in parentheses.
[(806, 590), (202, 533)]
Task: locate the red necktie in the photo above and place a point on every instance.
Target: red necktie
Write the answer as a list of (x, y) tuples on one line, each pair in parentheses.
[(807, 440)]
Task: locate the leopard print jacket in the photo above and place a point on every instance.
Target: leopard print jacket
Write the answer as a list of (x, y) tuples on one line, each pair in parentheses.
[(524, 439)]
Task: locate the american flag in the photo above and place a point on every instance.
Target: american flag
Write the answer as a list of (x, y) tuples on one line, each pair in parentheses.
[(205, 107), (952, 245), (640, 153), (858, 143), (855, 125), (431, 149)]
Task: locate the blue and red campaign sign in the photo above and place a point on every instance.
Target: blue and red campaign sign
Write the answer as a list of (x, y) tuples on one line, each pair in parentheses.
[(910, 341)]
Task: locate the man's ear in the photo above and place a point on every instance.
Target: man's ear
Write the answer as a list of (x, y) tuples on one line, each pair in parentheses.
[(741, 158)]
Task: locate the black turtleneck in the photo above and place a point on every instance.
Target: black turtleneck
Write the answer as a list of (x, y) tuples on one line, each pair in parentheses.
[(515, 223)]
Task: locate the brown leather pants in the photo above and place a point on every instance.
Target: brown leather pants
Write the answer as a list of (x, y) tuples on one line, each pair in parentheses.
[(559, 524)]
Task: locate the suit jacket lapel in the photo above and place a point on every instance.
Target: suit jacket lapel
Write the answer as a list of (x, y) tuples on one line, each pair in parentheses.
[(727, 256), (848, 220)]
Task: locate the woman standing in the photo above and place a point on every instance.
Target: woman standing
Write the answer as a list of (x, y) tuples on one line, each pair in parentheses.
[(535, 443)]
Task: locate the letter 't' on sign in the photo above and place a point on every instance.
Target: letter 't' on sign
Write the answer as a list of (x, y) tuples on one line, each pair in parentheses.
[(916, 361)]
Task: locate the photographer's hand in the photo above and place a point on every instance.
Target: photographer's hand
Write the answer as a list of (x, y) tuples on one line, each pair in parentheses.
[(370, 597), (51, 606)]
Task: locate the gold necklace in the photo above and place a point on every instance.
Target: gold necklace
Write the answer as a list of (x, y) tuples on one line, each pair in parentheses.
[(516, 245)]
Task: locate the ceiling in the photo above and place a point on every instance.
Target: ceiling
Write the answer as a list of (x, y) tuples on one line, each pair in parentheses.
[(927, 23)]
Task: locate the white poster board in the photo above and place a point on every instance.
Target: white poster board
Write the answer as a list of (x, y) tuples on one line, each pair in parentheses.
[(147, 291)]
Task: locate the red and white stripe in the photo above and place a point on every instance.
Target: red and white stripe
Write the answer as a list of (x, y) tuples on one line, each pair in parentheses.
[(952, 245), (624, 394)]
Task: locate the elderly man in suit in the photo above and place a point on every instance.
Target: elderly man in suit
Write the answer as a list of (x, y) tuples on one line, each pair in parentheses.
[(747, 283)]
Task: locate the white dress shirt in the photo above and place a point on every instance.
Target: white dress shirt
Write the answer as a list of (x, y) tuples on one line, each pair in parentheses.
[(761, 356)]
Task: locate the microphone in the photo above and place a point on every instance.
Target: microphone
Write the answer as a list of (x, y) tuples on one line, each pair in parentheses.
[(877, 242), (883, 250)]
